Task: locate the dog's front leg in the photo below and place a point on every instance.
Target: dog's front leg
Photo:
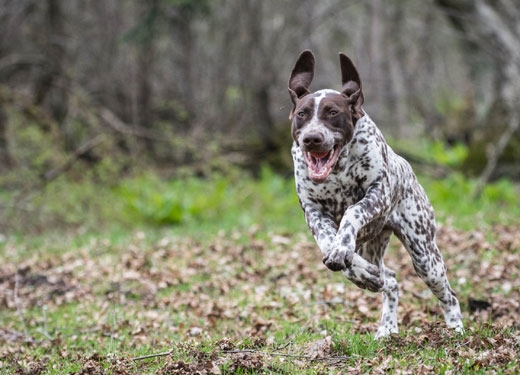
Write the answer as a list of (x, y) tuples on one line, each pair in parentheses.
[(322, 227), (325, 232), (343, 256)]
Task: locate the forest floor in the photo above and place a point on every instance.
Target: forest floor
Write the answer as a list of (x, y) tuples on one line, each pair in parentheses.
[(154, 302)]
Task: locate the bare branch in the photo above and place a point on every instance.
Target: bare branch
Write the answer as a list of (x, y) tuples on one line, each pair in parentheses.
[(118, 125), (239, 351), (81, 150), (164, 354)]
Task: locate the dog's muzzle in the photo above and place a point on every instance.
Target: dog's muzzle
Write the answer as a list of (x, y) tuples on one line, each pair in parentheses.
[(320, 150)]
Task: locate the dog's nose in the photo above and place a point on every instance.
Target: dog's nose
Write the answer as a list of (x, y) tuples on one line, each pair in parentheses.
[(313, 139)]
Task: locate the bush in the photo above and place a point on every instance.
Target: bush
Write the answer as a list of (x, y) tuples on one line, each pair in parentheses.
[(452, 198), (150, 200), (233, 200)]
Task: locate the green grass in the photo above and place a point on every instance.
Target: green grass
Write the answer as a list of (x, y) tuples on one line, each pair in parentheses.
[(223, 276), (238, 307)]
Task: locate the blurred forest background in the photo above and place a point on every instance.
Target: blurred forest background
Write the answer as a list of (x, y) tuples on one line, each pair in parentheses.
[(94, 92)]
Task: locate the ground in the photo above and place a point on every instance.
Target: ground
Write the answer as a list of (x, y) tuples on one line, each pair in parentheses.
[(246, 302)]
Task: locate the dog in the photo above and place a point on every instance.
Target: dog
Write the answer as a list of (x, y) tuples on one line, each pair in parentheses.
[(355, 192)]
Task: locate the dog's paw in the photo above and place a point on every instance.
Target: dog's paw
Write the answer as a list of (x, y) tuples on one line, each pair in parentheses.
[(384, 332), (337, 260), (372, 283), (364, 280), (365, 274), (334, 263), (369, 268)]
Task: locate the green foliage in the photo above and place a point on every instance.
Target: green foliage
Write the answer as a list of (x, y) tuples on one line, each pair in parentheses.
[(451, 156), (227, 200), (150, 200), (501, 193), (452, 198), (434, 152), (233, 200), (238, 200)]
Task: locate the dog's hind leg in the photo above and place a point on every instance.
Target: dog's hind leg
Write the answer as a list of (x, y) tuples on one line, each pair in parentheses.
[(373, 251), (429, 266), (432, 270), (390, 292)]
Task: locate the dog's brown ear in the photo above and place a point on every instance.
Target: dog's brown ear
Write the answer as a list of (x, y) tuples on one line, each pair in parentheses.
[(351, 85), (301, 76)]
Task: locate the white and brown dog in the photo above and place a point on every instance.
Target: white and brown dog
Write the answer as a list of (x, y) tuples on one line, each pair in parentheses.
[(355, 192)]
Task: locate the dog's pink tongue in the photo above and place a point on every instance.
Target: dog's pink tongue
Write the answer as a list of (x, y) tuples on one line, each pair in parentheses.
[(319, 155), (319, 170), (320, 160)]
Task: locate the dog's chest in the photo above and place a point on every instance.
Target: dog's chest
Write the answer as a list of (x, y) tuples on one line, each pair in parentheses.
[(337, 193), (334, 195)]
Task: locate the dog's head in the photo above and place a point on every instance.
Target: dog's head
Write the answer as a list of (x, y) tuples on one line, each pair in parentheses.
[(323, 122)]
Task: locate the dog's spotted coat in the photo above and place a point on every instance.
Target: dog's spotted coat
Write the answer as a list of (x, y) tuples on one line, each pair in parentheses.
[(355, 192)]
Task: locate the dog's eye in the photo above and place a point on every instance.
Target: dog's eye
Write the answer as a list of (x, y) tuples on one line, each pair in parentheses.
[(333, 113), (301, 114)]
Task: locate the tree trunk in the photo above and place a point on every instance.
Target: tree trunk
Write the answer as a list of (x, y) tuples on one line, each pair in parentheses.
[(376, 65), (145, 65), (397, 100), (5, 157), (50, 87)]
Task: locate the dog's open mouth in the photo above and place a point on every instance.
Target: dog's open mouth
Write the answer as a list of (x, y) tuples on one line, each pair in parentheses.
[(320, 164)]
